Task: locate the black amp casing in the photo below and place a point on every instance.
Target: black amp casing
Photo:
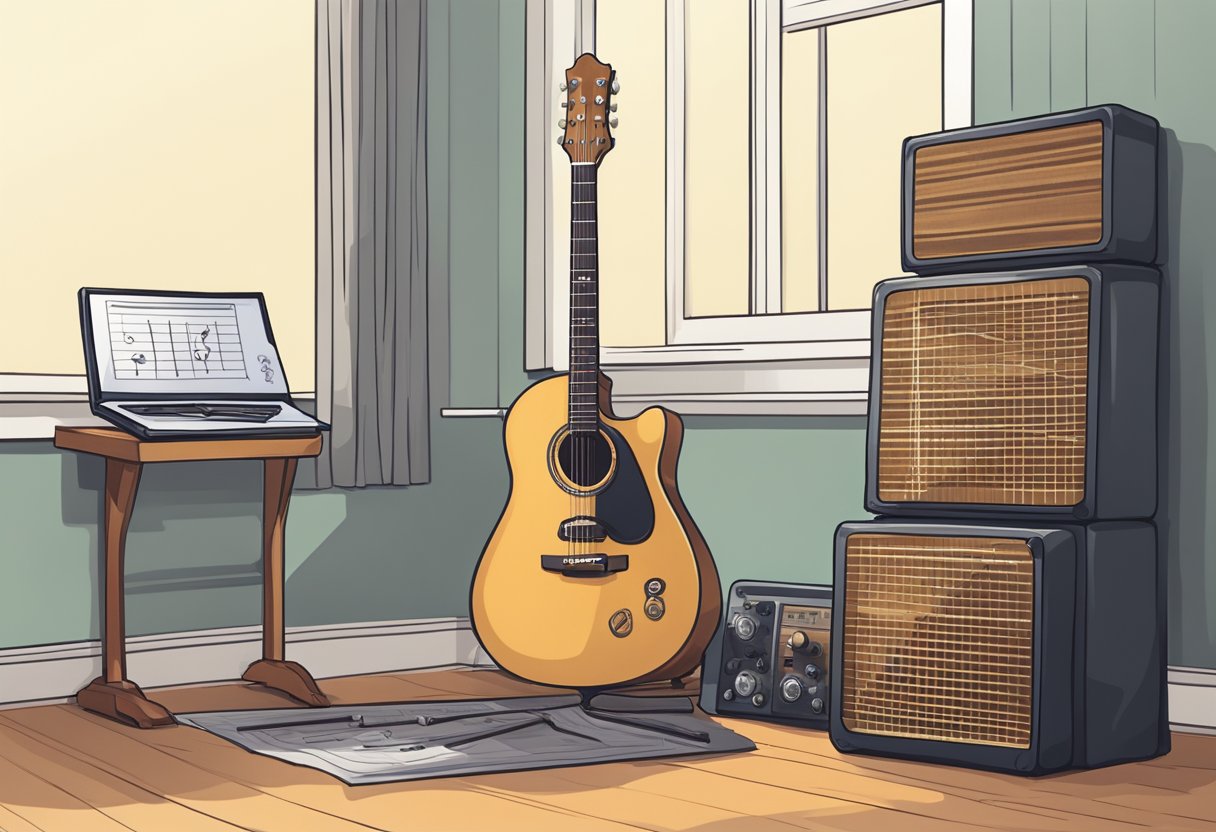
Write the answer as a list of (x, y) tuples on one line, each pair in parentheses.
[(1098, 668), (1128, 168)]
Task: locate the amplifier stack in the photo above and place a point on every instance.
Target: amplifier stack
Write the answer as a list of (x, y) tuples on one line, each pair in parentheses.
[(1006, 610)]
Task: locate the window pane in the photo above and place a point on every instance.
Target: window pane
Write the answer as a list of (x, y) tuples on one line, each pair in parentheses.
[(631, 35), (136, 155), (800, 171), (717, 163), (884, 84)]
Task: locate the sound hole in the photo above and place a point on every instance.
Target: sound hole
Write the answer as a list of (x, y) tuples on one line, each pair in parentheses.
[(585, 459)]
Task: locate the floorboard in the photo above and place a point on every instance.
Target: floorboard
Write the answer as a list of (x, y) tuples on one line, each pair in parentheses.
[(65, 770)]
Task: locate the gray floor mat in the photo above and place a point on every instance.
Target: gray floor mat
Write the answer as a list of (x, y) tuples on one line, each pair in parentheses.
[(362, 744)]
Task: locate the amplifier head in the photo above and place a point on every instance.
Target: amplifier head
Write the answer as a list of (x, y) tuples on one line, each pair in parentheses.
[(1018, 649), (1075, 186), (1015, 393)]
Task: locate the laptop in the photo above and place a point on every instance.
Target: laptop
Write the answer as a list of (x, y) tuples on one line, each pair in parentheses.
[(172, 365)]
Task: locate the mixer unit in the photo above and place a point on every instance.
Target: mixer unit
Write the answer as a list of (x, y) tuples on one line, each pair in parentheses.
[(770, 657)]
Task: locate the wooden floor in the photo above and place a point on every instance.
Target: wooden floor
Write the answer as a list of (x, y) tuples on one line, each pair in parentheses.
[(63, 770)]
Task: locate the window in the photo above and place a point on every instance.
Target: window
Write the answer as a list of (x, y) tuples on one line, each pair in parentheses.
[(165, 145), (752, 200)]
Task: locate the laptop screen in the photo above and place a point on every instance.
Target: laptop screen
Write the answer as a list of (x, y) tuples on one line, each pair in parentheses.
[(149, 344)]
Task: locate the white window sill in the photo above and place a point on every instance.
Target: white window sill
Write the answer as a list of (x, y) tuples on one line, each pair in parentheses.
[(31, 407), (824, 378), (801, 378)]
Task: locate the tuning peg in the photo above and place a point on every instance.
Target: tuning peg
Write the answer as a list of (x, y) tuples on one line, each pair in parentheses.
[(561, 122), (560, 140), (612, 107), (614, 121), (573, 83), (616, 85), (563, 103), (562, 86)]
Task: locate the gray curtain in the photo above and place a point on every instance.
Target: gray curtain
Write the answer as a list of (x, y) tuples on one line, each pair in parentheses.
[(372, 242)]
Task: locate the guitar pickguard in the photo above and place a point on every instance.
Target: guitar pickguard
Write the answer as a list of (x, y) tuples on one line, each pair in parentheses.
[(625, 507)]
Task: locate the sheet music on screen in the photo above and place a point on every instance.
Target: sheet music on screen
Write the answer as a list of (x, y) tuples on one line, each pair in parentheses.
[(211, 345)]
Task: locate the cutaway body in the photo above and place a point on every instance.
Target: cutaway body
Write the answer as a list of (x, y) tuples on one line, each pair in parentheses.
[(596, 575)]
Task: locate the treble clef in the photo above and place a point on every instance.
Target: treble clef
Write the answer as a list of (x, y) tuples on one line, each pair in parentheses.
[(201, 350)]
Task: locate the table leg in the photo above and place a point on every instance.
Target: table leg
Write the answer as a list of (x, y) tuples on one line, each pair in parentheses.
[(273, 670), (112, 694)]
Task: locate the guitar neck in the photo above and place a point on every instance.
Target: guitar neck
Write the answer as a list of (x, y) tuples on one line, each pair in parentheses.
[(584, 300)]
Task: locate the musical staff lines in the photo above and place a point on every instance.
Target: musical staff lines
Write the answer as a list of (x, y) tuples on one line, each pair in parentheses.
[(175, 340)]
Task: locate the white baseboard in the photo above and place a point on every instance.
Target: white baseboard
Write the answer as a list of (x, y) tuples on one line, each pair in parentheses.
[(1193, 700), (53, 673)]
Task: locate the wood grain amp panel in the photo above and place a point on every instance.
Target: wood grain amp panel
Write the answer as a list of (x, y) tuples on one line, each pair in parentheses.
[(1039, 189)]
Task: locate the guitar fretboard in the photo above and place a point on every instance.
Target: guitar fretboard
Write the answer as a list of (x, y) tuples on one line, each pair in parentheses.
[(584, 301)]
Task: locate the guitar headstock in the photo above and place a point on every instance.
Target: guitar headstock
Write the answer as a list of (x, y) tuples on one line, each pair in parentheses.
[(587, 100)]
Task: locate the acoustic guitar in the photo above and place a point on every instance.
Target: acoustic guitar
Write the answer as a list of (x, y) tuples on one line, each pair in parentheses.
[(595, 575)]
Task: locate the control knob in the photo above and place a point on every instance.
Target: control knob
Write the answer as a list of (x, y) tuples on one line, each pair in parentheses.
[(791, 688), (801, 641), (745, 627), (817, 705), (746, 684)]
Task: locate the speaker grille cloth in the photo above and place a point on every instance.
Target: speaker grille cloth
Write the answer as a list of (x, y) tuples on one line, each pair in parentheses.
[(938, 638), (984, 393)]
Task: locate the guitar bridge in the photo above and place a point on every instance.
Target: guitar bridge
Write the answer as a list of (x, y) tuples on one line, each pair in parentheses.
[(584, 566)]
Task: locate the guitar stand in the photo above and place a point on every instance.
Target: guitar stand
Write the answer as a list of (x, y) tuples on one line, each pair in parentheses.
[(631, 711)]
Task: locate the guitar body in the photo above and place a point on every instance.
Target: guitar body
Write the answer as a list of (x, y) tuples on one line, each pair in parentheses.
[(552, 623)]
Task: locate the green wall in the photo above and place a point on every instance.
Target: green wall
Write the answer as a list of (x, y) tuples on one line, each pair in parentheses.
[(1036, 56), (766, 492)]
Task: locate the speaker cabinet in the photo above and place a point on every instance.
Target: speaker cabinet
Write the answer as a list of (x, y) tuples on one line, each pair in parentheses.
[(1069, 187), (1013, 393), (1019, 649)]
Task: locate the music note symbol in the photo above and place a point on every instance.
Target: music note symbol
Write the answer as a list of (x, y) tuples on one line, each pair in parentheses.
[(201, 350), (138, 358), (266, 368)]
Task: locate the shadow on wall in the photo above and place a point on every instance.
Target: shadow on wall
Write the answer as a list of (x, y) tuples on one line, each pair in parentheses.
[(193, 555), (1188, 307), (407, 552)]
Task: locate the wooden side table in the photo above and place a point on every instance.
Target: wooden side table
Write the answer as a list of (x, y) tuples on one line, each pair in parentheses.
[(112, 694)]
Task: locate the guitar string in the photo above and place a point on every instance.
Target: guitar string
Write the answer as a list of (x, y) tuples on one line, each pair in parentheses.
[(587, 440)]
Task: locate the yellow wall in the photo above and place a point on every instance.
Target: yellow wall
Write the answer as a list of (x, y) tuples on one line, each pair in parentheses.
[(154, 143), (632, 35), (884, 83)]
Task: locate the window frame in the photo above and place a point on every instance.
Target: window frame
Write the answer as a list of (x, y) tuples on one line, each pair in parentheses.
[(791, 363)]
